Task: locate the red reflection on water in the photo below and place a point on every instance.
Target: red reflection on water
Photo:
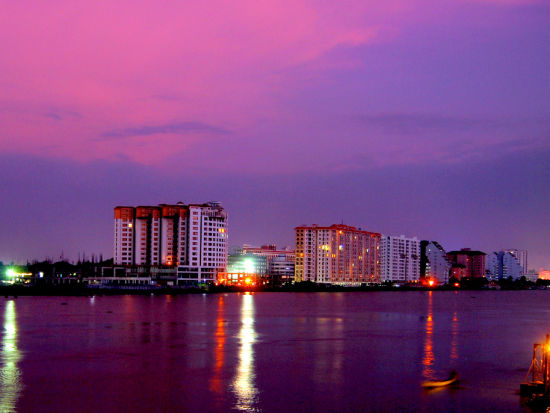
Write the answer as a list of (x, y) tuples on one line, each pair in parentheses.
[(454, 337), (429, 358), (216, 383)]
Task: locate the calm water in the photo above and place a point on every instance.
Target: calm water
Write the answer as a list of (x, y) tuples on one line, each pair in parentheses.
[(268, 352)]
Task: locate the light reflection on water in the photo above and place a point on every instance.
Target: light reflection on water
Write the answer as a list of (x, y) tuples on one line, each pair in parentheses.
[(216, 382), (11, 383), (244, 385), (329, 350), (454, 338), (429, 358)]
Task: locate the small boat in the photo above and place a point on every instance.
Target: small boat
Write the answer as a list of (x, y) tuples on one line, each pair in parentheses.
[(453, 379)]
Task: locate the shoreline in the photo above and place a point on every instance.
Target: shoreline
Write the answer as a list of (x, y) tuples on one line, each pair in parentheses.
[(85, 291)]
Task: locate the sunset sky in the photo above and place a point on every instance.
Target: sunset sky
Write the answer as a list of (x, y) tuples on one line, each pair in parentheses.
[(425, 118)]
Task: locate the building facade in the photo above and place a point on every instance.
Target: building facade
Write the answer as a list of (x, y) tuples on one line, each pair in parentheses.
[(280, 262), (433, 262), (281, 269), (467, 263), (399, 259), (339, 254), (492, 266), (521, 256), (191, 238), (502, 265)]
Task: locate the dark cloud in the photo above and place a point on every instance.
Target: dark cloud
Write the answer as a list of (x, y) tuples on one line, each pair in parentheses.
[(180, 128), (426, 123), (56, 113), (53, 115)]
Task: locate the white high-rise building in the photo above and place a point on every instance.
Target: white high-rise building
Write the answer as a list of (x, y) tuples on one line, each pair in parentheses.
[(521, 255), (433, 262), (492, 266), (192, 238), (399, 258), (503, 264), (511, 266)]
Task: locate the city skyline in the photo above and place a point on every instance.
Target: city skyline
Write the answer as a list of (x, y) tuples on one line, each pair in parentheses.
[(429, 119)]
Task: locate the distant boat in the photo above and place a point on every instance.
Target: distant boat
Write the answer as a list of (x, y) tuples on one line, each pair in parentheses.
[(453, 379)]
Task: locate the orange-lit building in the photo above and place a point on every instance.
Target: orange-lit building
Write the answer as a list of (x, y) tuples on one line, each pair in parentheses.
[(339, 254), (241, 279)]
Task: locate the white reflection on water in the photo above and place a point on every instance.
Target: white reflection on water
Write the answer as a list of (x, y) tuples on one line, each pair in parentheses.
[(329, 350), (244, 385), (10, 375)]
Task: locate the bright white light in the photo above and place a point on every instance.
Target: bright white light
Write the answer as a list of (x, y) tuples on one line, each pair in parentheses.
[(10, 354), (244, 383), (249, 266)]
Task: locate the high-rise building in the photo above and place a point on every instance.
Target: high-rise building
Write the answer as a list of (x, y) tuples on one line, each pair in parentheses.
[(191, 237), (399, 258), (339, 254), (492, 266), (503, 264), (433, 262), (521, 255), (467, 263)]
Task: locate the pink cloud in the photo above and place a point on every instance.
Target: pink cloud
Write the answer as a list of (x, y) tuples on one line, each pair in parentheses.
[(131, 64), (107, 61)]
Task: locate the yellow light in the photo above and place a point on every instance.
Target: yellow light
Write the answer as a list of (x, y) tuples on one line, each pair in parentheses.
[(130, 225), (248, 280), (222, 230), (431, 282)]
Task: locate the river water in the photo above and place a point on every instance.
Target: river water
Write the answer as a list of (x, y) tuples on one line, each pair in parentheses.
[(269, 352)]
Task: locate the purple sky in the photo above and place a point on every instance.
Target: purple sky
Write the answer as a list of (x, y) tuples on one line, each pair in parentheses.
[(427, 118)]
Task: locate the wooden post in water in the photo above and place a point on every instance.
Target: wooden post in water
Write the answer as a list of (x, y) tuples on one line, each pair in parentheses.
[(533, 362)]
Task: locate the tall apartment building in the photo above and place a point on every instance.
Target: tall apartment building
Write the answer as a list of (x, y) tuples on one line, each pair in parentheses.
[(521, 256), (434, 262), (339, 254), (503, 264), (191, 237), (399, 258), (467, 263)]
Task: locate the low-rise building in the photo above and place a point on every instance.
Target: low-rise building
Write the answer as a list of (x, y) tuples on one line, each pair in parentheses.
[(470, 263)]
